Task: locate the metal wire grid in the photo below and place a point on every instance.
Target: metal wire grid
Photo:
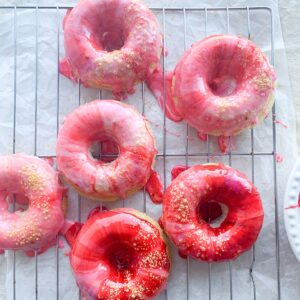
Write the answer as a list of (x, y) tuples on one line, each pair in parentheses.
[(164, 155)]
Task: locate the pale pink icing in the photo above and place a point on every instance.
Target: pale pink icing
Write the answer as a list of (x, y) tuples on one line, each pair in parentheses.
[(222, 85), (111, 44), (31, 178), (98, 121)]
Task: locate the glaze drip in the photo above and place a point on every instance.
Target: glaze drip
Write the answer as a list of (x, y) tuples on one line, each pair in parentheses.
[(155, 82), (177, 170), (154, 188)]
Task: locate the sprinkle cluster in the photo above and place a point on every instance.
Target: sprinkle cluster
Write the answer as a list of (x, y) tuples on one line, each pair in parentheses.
[(155, 259), (32, 180), (26, 234)]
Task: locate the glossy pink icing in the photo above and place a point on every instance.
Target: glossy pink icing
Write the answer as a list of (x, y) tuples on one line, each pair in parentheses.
[(111, 44), (120, 254), (222, 85), (105, 120), (34, 229), (155, 188), (185, 221), (226, 143), (177, 170)]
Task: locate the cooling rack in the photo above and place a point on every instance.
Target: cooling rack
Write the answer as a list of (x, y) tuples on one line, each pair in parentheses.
[(207, 155)]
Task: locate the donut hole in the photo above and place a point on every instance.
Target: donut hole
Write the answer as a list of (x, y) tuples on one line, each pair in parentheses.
[(14, 202), (223, 85), (121, 259), (225, 72), (213, 213), (104, 150), (105, 30), (112, 40)]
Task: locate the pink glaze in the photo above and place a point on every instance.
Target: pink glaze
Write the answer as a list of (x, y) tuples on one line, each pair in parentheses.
[(279, 158), (105, 120), (155, 82), (296, 205), (154, 188), (111, 44), (195, 198), (50, 160), (222, 85), (202, 137), (177, 170), (94, 211), (61, 244), (72, 232), (120, 254), (36, 228), (226, 143), (281, 123)]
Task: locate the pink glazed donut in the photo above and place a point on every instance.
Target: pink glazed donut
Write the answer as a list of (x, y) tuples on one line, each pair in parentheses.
[(205, 193), (120, 254), (105, 120), (31, 179), (222, 85), (111, 44)]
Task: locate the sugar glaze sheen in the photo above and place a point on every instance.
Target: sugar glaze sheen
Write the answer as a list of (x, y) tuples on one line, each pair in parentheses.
[(111, 44)]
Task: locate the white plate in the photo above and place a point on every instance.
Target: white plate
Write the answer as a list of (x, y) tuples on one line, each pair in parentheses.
[(292, 210)]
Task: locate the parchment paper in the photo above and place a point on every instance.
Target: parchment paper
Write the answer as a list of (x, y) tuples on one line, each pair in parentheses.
[(67, 98)]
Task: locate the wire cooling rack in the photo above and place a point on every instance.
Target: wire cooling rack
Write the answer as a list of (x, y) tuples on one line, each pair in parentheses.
[(163, 154)]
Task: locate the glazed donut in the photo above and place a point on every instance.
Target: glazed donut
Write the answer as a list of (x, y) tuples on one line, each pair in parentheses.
[(187, 219), (97, 121), (222, 85), (35, 182), (120, 254), (111, 44)]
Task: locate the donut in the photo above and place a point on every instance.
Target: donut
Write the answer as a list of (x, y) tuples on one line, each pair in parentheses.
[(212, 213), (111, 44), (120, 254), (34, 182), (222, 85), (105, 120)]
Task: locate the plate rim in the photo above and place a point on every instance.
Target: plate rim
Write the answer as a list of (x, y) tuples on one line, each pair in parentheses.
[(292, 216)]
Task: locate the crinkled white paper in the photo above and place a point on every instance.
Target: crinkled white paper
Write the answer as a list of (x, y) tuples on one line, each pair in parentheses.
[(49, 98)]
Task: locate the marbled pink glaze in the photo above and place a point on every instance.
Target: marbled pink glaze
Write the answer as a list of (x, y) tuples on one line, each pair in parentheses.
[(120, 254), (34, 229), (191, 233), (105, 120), (222, 85), (111, 44), (163, 92)]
